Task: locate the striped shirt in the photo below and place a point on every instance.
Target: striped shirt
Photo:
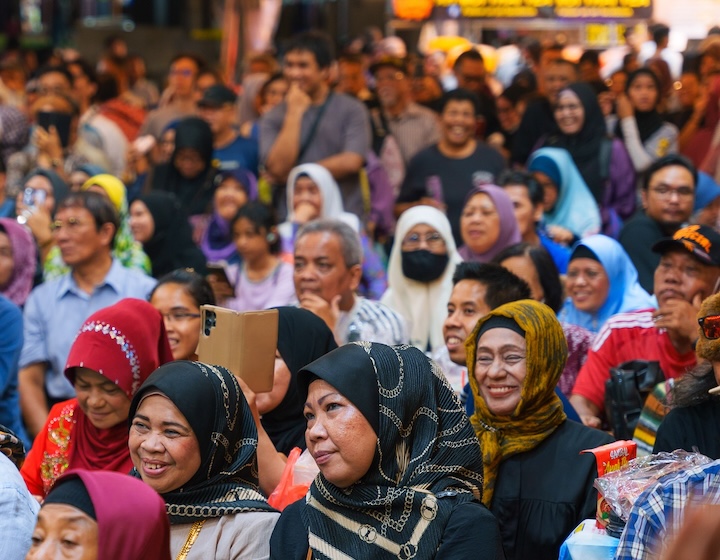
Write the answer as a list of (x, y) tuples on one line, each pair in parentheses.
[(373, 322)]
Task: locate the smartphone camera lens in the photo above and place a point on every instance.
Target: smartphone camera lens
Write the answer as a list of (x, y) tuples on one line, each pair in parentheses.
[(210, 322)]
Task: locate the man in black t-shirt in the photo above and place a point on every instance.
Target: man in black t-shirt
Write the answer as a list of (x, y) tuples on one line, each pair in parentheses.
[(443, 174)]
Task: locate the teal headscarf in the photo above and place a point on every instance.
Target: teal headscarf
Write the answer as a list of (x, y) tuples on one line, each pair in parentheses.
[(576, 208)]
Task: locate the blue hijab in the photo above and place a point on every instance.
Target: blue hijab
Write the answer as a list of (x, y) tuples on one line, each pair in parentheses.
[(575, 208), (625, 294)]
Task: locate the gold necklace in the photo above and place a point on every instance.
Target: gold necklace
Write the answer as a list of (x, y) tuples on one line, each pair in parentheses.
[(191, 538)]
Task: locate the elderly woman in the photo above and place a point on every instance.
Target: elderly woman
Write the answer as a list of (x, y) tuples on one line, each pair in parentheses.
[(116, 349), (400, 469), (194, 441), (487, 224), (601, 281), (536, 482), (420, 270), (101, 514)]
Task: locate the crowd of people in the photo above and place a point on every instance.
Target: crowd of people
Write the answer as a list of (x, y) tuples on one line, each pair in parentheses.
[(457, 264)]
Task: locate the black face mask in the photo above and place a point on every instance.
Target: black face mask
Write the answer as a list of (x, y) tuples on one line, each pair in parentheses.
[(423, 266)]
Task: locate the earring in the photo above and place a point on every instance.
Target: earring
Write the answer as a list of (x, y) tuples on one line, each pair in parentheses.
[(271, 237)]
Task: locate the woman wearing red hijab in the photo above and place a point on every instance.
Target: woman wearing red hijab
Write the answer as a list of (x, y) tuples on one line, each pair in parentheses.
[(116, 349), (110, 515)]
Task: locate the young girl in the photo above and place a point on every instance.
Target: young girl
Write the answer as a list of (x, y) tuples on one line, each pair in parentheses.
[(262, 280)]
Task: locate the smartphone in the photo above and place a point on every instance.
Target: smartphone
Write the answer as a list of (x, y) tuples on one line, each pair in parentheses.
[(61, 122), (434, 188), (244, 343), (219, 270), (143, 144)]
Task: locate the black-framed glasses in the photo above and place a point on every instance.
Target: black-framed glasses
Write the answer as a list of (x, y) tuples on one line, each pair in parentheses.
[(710, 326), (180, 316)]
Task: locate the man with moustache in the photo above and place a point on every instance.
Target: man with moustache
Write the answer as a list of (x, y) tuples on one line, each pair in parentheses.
[(688, 272)]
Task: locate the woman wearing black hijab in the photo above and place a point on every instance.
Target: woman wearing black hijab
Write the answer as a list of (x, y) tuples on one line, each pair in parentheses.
[(189, 174), (646, 134), (603, 162), (160, 224), (400, 467), (302, 338)]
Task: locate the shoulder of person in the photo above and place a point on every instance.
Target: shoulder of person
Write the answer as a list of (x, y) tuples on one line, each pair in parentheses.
[(582, 437)]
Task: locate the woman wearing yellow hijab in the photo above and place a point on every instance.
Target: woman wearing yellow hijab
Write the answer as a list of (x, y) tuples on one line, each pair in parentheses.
[(128, 251), (536, 482)]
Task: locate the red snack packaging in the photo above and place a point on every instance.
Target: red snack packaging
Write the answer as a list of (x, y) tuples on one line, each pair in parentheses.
[(610, 457)]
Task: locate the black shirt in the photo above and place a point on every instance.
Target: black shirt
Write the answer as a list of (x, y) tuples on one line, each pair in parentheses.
[(689, 427), (471, 532), (637, 237), (541, 495), (457, 178)]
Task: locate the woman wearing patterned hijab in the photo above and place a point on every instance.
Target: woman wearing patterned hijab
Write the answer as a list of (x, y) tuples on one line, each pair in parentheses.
[(536, 482), (194, 441), (400, 470)]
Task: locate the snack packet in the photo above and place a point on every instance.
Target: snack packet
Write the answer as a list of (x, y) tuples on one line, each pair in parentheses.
[(610, 458)]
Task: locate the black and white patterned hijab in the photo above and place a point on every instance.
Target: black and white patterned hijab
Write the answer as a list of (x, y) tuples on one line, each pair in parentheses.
[(211, 400), (427, 459)]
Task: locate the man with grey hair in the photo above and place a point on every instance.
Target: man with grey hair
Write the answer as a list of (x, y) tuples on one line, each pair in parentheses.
[(328, 261)]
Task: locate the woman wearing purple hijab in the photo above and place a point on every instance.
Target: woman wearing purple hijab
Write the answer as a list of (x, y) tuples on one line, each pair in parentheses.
[(236, 187), (18, 261), (487, 224)]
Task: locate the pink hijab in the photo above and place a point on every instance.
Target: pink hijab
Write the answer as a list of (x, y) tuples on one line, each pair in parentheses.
[(25, 257), (509, 231), (131, 517)]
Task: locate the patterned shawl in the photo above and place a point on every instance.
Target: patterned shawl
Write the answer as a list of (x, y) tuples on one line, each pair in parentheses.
[(211, 400), (539, 411), (427, 459)]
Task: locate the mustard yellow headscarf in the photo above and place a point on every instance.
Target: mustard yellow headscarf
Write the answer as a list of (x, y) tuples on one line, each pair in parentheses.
[(114, 188), (539, 411)]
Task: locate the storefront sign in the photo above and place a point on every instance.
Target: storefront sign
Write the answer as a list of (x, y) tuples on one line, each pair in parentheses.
[(568, 9)]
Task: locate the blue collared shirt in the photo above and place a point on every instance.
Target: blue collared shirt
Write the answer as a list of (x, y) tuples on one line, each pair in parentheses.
[(56, 310), (18, 511)]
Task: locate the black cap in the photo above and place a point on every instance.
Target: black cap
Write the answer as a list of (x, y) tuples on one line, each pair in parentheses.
[(702, 242), (216, 96), (70, 490), (389, 61)]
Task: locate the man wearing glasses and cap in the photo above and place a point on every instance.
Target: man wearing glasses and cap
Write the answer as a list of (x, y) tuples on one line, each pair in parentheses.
[(687, 274)]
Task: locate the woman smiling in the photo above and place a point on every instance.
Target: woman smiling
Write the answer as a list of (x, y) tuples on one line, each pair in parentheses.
[(194, 441), (536, 483), (116, 349)]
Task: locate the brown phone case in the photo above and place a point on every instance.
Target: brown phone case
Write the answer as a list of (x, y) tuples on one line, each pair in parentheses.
[(244, 343)]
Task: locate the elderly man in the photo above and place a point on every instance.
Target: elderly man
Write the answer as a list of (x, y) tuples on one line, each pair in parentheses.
[(328, 260), (688, 272), (85, 227)]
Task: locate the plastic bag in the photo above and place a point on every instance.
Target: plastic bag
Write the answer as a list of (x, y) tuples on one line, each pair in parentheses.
[(300, 471), (587, 542), (622, 488)]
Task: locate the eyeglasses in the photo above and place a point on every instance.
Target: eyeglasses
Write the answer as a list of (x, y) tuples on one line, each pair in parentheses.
[(710, 326), (415, 240), (179, 316), (664, 191), (185, 72), (71, 223)]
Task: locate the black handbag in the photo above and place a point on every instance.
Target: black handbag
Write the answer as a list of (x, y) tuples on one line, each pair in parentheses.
[(625, 392)]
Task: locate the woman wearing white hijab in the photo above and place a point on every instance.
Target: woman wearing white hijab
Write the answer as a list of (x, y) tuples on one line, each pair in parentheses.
[(313, 194), (420, 270)]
